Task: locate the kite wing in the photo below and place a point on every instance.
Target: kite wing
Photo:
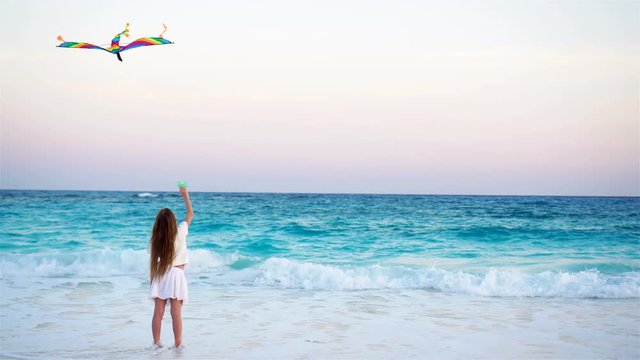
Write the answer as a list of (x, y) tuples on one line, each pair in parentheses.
[(80, 45), (145, 41)]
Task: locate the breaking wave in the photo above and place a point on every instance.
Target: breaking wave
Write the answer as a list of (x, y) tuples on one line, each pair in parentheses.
[(292, 274), (285, 273)]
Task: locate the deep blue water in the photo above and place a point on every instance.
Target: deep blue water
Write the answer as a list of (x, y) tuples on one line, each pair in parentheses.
[(308, 240)]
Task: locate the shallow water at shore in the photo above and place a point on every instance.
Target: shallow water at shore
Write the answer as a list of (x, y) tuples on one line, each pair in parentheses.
[(88, 320)]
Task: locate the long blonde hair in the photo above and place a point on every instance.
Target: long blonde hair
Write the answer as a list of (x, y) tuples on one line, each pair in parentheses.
[(162, 241)]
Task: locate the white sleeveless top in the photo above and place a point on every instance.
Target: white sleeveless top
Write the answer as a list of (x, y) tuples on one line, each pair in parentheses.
[(180, 244)]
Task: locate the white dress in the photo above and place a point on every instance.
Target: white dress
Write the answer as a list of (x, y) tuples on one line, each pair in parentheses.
[(173, 284)]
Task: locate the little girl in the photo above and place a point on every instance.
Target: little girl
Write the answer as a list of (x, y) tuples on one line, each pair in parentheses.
[(168, 248)]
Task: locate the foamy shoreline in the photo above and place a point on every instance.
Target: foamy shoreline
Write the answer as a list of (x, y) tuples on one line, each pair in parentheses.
[(93, 321)]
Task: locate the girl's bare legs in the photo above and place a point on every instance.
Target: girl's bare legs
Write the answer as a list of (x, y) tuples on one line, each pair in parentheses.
[(156, 321), (176, 316)]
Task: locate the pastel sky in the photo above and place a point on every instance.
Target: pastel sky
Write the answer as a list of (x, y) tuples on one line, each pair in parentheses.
[(428, 97)]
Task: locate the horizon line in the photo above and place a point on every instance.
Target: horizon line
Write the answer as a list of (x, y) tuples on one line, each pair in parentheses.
[(326, 193)]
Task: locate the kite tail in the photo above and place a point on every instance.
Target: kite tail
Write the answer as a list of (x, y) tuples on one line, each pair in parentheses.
[(163, 31), (125, 32)]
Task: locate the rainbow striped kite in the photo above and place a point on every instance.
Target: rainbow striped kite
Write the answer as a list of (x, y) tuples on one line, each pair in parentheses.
[(115, 47)]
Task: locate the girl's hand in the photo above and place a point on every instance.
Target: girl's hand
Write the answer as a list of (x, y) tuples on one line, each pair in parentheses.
[(183, 191)]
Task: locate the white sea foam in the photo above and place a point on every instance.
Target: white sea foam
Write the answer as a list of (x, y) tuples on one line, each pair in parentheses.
[(105, 262), (146, 194), (290, 274), (285, 273)]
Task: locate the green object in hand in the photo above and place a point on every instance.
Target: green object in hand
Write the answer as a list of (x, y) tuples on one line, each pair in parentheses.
[(182, 183)]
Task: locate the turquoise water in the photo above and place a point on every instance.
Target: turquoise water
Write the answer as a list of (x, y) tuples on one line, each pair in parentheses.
[(483, 245)]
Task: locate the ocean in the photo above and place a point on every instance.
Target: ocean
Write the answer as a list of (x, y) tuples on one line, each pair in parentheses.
[(317, 276)]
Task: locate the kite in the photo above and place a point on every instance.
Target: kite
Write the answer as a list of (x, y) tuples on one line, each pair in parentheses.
[(115, 47)]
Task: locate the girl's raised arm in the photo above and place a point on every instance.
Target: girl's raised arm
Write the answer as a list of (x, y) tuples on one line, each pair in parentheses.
[(187, 202)]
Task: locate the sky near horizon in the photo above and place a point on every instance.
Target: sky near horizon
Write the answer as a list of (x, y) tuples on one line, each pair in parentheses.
[(429, 97)]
